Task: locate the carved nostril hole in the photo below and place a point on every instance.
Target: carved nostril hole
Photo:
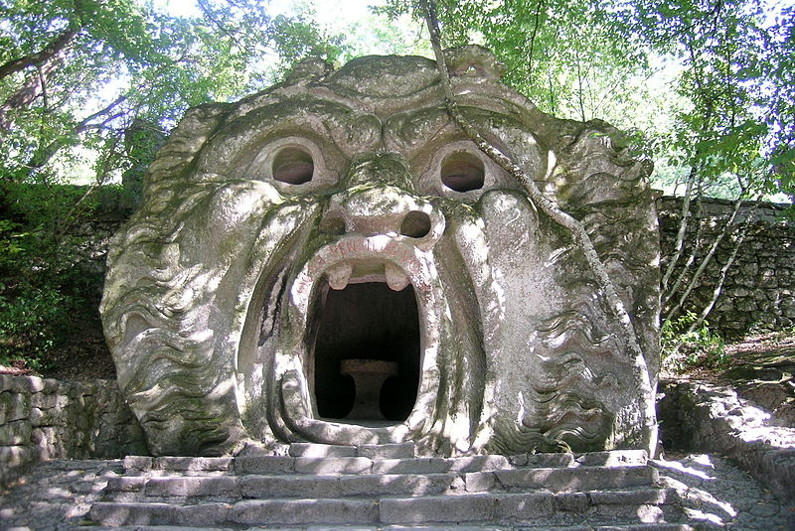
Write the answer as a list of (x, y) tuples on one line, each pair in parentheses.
[(293, 165), (416, 224), (332, 225), (462, 172)]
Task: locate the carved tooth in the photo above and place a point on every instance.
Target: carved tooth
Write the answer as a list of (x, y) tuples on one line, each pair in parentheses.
[(338, 276), (396, 278)]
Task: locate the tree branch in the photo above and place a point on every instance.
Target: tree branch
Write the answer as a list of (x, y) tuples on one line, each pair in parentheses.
[(39, 58), (705, 261), (208, 12), (646, 395), (684, 219), (691, 258), (536, 25)]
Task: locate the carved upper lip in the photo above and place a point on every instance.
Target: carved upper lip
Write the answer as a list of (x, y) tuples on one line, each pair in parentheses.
[(344, 273), (356, 259)]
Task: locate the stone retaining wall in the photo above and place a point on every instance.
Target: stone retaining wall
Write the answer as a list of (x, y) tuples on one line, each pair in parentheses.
[(759, 292), (47, 419)]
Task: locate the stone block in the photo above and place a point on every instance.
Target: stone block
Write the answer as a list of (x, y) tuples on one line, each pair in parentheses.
[(392, 484), (21, 384), (479, 481), (387, 451), (44, 400), (430, 509), (524, 506), (333, 465), (614, 458), (284, 486), (304, 511), (779, 467), (419, 465), (116, 514), (479, 463), (126, 484), (570, 479), (215, 487), (193, 464), (543, 460), (572, 502), (635, 497), (138, 463), (14, 406), (265, 465), (16, 433), (321, 450)]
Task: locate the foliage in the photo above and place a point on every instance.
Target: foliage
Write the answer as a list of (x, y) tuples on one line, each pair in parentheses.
[(50, 274), (701, 84), (86, 72), (725, 124), (683, 348)]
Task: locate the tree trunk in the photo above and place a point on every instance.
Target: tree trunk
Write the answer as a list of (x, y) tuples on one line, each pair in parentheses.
[(46, 65), (694, 281)]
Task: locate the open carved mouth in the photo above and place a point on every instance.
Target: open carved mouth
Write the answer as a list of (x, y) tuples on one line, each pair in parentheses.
[(365, 355), (371, 332)]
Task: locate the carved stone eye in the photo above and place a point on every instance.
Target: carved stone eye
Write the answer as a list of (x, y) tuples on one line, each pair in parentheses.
[(462, 171), (293, 165)]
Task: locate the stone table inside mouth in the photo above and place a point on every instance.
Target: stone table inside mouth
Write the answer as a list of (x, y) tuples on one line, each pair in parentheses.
[(369, 377)]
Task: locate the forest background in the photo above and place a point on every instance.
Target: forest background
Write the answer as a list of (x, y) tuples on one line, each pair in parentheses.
[(90, 88)]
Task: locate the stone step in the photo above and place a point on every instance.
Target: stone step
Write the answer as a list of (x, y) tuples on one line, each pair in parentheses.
[(458, 527), (379, 462), (562, 479), (335, 487), (232, 488), (543, 508), (370, 451), (649, 505)]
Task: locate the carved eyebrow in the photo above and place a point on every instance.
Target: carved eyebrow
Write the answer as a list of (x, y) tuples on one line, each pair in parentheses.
[(412, 131)]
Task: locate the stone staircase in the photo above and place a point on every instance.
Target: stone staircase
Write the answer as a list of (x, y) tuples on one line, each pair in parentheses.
[(387, 487)]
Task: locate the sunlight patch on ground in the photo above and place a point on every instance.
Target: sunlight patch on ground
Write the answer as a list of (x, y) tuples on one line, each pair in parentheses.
[(694, 478)]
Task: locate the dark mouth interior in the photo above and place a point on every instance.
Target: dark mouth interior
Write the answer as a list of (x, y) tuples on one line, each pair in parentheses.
[(366, 353)]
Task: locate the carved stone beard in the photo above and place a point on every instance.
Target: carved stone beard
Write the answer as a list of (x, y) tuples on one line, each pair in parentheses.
[(341, 225)]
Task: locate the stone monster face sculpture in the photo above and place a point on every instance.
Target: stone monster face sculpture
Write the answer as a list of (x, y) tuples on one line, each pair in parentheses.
[(332, 260)]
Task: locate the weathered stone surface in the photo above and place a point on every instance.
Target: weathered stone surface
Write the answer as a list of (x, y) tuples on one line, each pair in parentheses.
[(342, 216), (47, 419), (561, 479), (304, 511), (321, 450)]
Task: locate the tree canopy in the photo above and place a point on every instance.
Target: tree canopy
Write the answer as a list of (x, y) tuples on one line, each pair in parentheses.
[(705, 86), (722, 119)]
